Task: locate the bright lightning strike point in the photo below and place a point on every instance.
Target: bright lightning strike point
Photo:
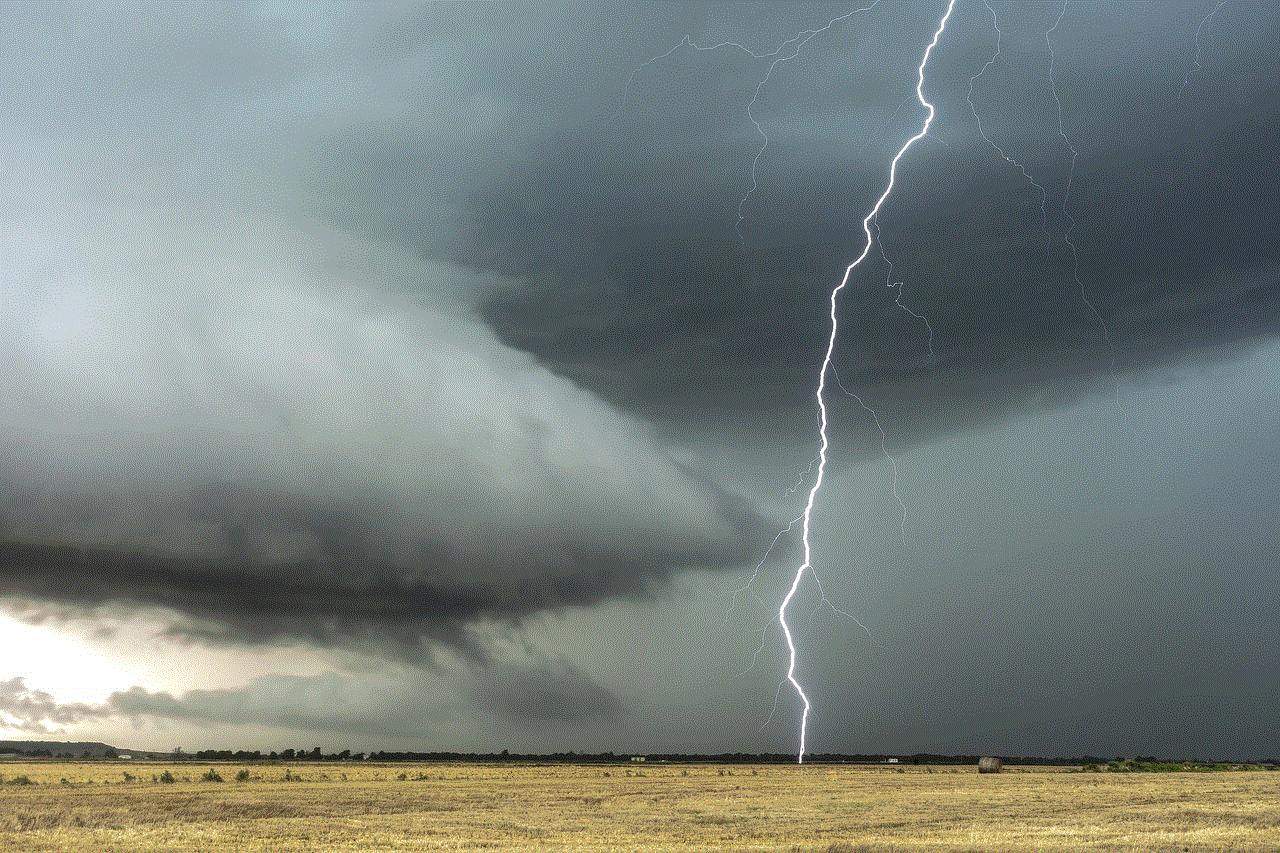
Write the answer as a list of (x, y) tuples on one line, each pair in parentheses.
[(824, 441)]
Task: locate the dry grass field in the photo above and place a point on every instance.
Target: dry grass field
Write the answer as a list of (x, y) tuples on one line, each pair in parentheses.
[(362, 806)]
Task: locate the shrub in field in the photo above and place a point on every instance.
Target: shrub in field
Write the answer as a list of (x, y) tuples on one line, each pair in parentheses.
[(129, 777), (21, 780), (243, 775), (211, 775), (167, 778)]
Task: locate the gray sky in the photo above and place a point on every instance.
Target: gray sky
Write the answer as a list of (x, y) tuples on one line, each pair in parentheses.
[(436, 377)]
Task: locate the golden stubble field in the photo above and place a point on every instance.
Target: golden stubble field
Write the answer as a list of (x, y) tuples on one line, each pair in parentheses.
[(353, 806)]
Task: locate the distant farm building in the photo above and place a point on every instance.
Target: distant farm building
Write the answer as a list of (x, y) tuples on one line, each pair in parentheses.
[(638, 757)]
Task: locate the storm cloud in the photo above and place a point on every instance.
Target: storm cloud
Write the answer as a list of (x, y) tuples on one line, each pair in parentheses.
[(281, 428), (262, 429), (462, 336), (1029, 298)]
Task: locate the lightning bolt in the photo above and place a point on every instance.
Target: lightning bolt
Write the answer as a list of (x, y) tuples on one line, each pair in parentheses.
[(893, 466), (1044, 195), (889, 282), (787, 50), (792, 44), (1066, 198), (1199, 31), (820, 394)]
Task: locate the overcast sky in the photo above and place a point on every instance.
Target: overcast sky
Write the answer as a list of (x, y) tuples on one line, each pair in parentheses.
[(438, 377)]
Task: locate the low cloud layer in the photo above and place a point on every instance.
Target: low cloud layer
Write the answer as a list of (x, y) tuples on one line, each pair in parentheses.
[(34, 711), (396, 704)]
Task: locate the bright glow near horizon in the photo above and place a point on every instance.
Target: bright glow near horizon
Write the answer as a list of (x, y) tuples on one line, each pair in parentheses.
[(61, 661)]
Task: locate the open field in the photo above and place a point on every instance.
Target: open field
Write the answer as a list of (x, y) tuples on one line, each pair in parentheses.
[(351, 806)]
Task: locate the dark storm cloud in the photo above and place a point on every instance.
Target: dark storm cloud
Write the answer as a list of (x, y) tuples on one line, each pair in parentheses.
[(342, 324), (640, 289), (219, 402), (293, 460), (348, 591)]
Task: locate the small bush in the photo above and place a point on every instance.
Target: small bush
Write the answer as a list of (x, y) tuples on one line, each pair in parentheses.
[(129, 777), (167, 778), (243, 775), (211, 775), (403, 776), (290, 776), (21, 780)]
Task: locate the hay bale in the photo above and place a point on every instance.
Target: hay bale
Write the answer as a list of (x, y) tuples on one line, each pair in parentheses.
[(989, 764)]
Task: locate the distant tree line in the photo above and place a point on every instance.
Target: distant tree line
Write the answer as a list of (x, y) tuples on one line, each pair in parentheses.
[(1121, 764)]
